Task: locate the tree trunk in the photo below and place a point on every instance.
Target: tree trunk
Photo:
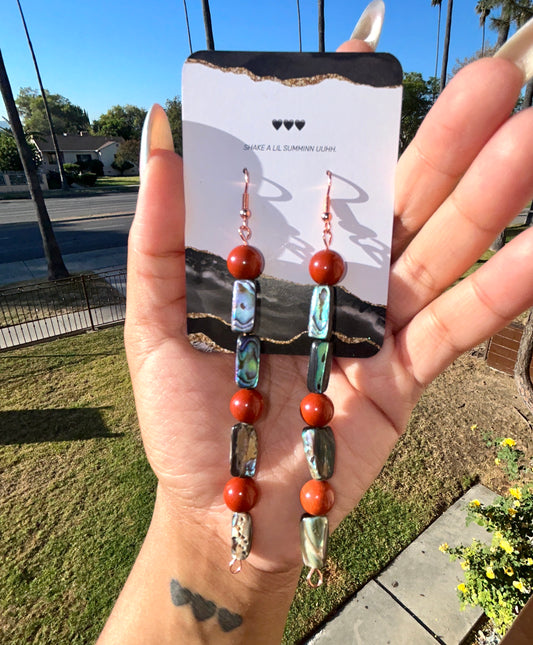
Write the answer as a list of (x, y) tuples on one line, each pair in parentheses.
[(523, 363), (321, 28), (528, 95), (446, 49), (438, 40), (64, 182), (56, 266), (209, 41), (504, 24), (499, 242)]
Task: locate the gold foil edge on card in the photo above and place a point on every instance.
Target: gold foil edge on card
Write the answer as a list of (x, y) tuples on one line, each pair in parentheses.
[(290, 82), (349, 340), (205, 344)]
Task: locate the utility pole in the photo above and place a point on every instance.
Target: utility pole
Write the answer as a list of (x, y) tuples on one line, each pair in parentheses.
[(321, 27), (64, 182), (209, 41), (56, 266)]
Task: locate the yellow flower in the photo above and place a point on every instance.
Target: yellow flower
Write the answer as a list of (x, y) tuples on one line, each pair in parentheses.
[(516, 503), (474, 427), (508, 442), (498, 535), (504, 544), (518, 584), (490, 573), (462, 587), (529, 561), (475, 502), (497, 461), (465, 566), (508, 571), (512, 511), (443, 547), (515, 492)]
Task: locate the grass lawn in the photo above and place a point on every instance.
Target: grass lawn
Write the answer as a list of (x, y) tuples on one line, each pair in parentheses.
[(117, 181), (76, 492)]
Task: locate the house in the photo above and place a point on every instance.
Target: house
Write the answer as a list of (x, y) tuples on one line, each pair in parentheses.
[(76, 148)]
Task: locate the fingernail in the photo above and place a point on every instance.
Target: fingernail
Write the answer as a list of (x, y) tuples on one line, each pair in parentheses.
[(156, 135), (519, 50), (370, 24)]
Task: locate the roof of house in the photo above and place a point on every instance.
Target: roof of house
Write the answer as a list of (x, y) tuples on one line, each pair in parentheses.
[(76, 142)]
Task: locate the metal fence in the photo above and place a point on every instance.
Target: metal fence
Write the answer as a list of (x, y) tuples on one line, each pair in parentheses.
[(46, 310)]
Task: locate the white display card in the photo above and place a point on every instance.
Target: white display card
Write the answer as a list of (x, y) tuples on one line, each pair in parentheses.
[(288, 118)]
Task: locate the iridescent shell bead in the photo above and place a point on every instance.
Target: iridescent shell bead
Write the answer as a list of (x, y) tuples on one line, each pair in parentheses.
[(319, 368), (319, 448), (243, 453), (314, 534), (321, 313), (243, 306), (247, 356), (241, 535)]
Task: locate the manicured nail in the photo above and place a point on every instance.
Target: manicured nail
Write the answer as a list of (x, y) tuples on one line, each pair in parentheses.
[(370, 24), (519, 50), (156, 135)]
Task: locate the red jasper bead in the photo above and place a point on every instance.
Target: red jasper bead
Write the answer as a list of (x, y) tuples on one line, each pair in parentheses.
[(317, 497), (316, 410), (246, 405), (240, 494), (245, 262), (326, 267)]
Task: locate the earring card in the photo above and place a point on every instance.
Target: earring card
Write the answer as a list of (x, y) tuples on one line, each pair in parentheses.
[(288, 118)]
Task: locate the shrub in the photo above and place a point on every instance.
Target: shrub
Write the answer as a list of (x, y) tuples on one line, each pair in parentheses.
[(71, 168), (96, 166), (86, 179), (54, 180), (121, 166)]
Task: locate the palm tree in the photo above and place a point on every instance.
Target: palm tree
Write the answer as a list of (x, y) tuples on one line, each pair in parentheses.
[(437, 3), (446, 49), (56, 266), (483, 9), (210, 43), (321, 28)]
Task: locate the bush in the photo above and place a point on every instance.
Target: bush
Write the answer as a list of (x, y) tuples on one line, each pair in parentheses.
[(96, 166), (121, 165), (54, 180), (86, 179), (71, 168)]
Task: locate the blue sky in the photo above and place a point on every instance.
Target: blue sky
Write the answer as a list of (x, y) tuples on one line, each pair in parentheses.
[(101, 53)]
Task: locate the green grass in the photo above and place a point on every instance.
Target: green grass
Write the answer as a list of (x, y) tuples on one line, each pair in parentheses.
[(117, 181)]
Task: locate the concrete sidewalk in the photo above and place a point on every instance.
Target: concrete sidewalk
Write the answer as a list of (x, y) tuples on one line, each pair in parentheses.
[(414, 601), (89, 261)]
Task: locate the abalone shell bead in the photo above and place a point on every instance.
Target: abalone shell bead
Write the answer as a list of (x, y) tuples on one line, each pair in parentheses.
[(241, 535), (245, 262), (319, 366), (317, 497), (316, 409), (243, 453), (246, 405), (314, 533), (319, 448), (240, 494), (321, 313), (247, 355), (243, 306), (326, 267)]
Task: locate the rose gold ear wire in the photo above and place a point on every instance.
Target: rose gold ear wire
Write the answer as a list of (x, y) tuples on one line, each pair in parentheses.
[(244, 229), (327, 235)]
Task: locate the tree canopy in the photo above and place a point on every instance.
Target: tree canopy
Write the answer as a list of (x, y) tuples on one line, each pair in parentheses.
[(173, 110), (9, 156), (418, 97), (66, 117), (121, 121)]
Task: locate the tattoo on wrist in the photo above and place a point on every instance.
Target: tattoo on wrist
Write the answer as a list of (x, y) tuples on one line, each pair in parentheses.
[(203, 609)]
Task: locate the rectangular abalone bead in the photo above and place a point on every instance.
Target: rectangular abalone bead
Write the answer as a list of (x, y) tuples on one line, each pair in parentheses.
[(247, 354), (243, 306), (321, 313), (241, 535), (319, 366), (314, 533), (319, 448), (243, 455)]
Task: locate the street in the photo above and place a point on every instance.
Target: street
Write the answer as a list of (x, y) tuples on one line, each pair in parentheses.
[(80, 224)]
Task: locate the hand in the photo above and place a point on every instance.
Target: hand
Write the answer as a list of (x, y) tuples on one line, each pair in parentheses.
[(464, 177)]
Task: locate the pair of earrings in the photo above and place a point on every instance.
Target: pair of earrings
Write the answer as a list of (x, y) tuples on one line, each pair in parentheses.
[(245, 263)]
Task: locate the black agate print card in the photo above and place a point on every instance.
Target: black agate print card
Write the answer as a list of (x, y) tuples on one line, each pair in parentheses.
[(288, 119)]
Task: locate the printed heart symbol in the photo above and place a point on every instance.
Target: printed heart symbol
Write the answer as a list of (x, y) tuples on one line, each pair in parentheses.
[(299, 124), (228, 621), (277, 123), (288, 123), (202, 608)]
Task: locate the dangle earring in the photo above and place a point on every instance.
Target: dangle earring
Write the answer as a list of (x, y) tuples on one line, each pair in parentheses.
[(245, 263), (316, 496)]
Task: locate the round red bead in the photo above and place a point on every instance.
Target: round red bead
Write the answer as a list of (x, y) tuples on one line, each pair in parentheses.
[(246, 405), (326, 267), (317, 497), (240, 494), (316, 410), (245, 262)]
